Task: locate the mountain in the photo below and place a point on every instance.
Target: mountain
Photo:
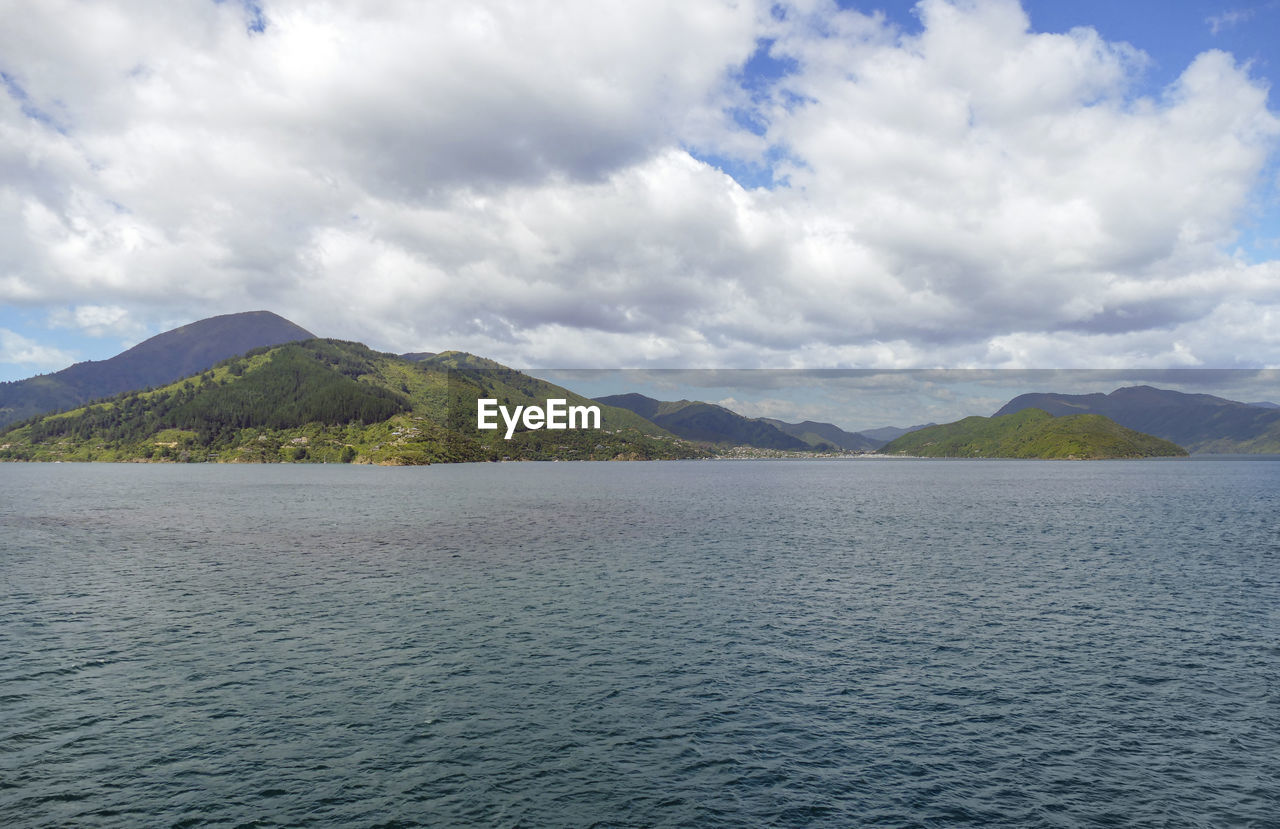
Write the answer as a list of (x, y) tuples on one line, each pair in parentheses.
[(1265, 404), (825, 436), (1032, 433), (1199, 422), (884, 434), (162, 359), (646, 407), (332, 401), (709, 423), (706, 422)]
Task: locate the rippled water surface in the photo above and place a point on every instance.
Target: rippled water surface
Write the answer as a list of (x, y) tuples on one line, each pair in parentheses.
[(898, 643)]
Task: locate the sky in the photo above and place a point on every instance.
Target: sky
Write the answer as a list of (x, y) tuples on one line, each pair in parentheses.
[(966, 184)]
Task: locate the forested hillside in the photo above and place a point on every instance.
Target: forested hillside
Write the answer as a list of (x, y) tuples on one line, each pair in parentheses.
[(330, 401), (1032, 433)]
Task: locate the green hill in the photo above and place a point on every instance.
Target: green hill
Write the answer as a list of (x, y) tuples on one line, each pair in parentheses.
[(331, 401), (1032, 433), (164, 358)]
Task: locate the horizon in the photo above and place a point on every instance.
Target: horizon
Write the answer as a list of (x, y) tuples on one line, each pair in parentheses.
[(866, 399)]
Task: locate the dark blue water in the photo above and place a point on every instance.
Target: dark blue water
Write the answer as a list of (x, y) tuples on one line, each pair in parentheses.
[(897, 643)]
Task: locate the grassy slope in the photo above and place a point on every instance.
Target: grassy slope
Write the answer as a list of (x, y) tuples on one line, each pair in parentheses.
[(1032, 433), (328, 401)]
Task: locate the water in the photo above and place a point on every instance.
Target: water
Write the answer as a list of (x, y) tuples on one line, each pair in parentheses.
[(897, 643)]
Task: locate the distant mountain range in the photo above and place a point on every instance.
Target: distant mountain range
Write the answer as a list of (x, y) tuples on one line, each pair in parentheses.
[(255, 386), (711, 423), (162, 359), (706, 422), (826, 436), (1197, 422)]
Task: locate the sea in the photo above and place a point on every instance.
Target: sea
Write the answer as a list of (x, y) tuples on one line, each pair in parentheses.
[(691, 643)]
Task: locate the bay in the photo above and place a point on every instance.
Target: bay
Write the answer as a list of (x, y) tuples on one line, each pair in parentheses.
[(789, 643)]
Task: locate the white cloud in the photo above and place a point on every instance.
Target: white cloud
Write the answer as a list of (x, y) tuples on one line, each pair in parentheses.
[(95, 320), (1229, 19), (520, 181), (20, 350)]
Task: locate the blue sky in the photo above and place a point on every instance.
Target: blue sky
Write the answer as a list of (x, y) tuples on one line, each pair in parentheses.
[(1171, 33), (977, 184)]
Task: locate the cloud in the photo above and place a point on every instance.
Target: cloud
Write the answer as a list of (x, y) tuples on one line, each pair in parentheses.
[(1231, 18), (95, 320), (17, 349), (534, 182)]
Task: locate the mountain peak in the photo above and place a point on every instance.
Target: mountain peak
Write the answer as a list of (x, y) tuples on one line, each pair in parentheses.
[(180, 352)]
